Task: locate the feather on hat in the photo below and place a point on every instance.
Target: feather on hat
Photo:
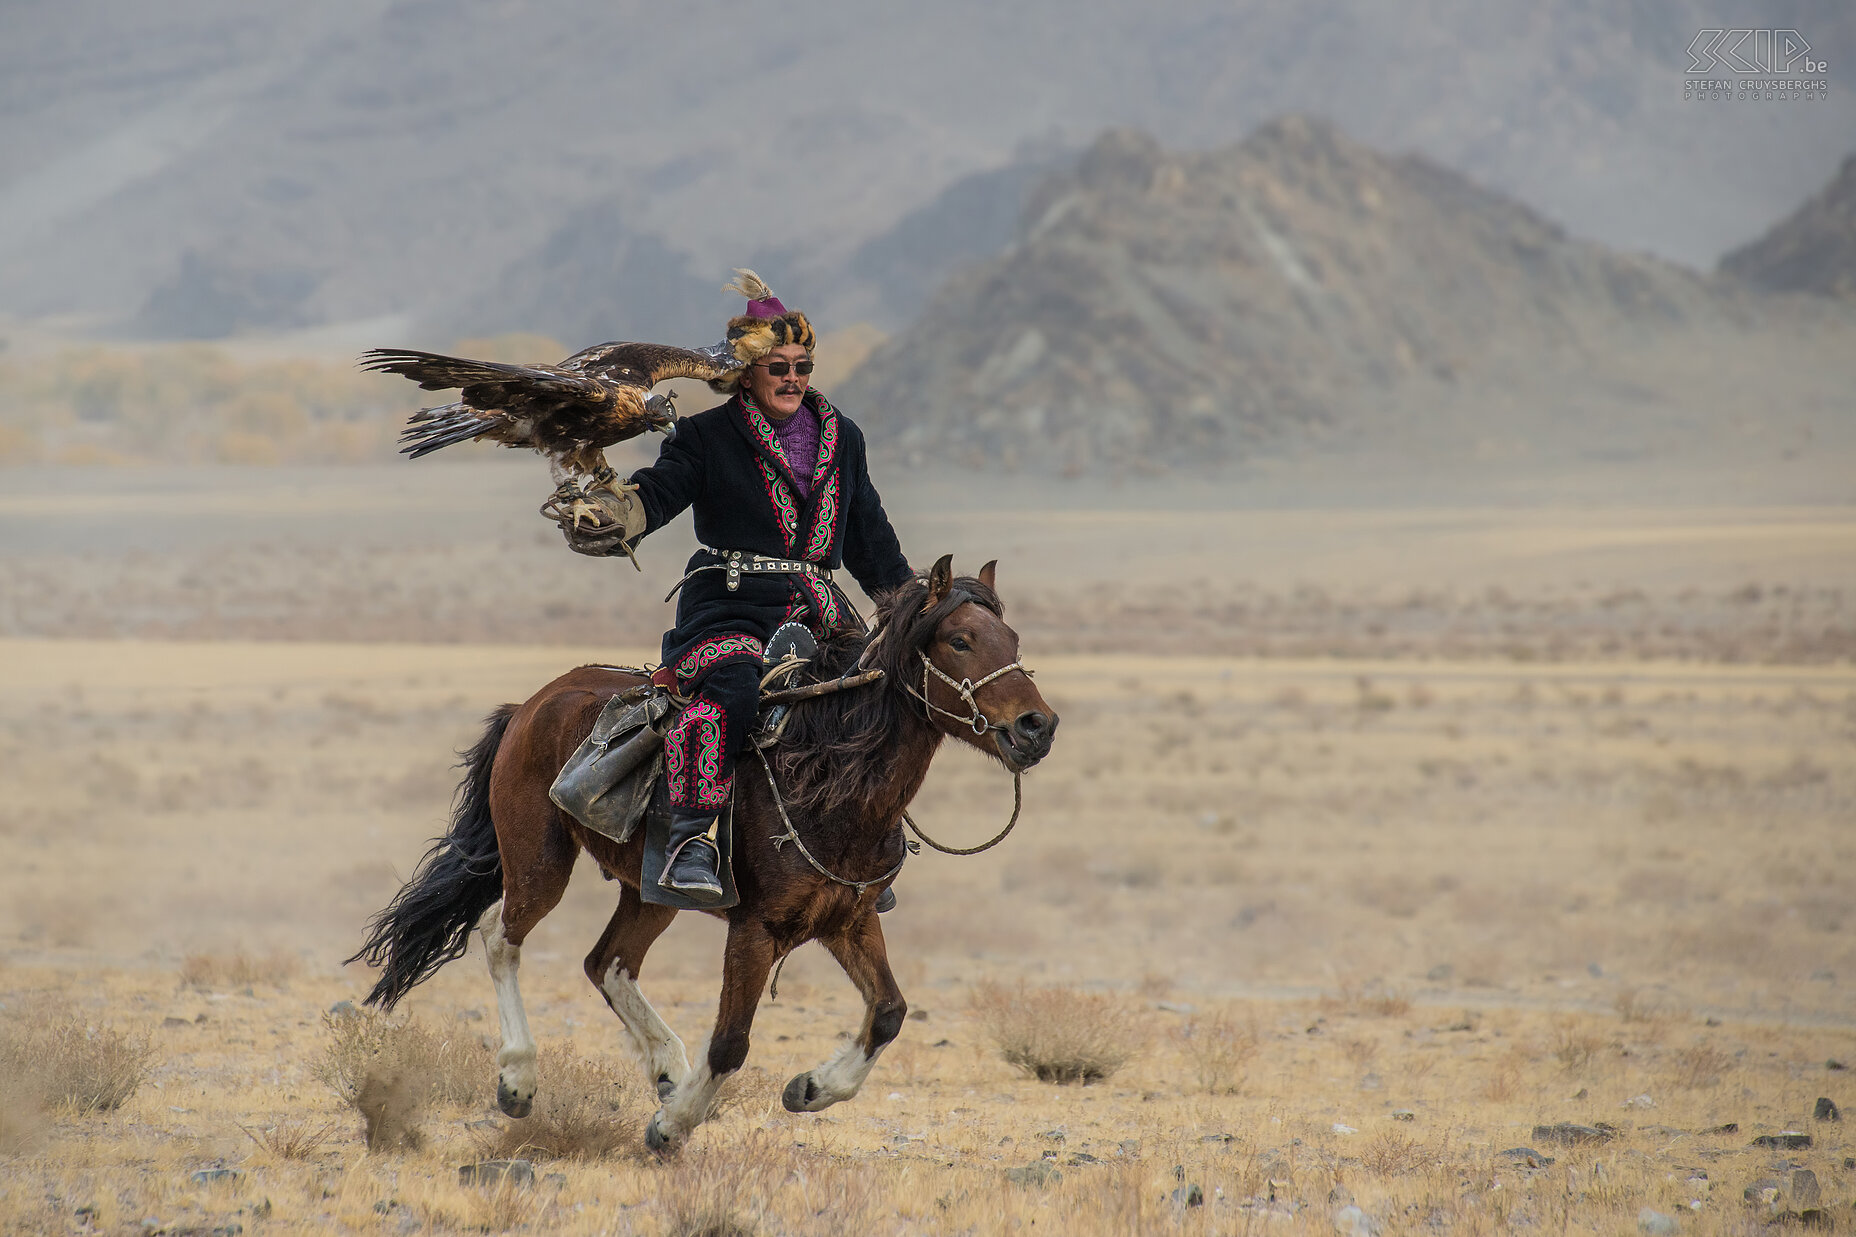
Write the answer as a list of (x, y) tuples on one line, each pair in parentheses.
[(766, 325)]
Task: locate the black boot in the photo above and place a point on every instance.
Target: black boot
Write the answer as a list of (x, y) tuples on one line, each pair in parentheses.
[(692, 866), (886, 901)]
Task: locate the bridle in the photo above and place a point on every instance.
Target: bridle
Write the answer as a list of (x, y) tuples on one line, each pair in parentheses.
[(975, 720)]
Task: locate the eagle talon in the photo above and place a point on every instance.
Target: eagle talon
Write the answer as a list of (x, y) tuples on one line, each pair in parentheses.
[(595, 516)]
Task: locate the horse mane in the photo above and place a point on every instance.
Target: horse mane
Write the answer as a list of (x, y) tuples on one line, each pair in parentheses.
[(839, 750)]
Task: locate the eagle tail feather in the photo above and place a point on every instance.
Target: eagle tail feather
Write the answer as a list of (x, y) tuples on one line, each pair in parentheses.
[(431, 428)]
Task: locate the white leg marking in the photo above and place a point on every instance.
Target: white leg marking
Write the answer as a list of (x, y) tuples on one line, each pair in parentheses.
[(843, 1076), (516, 1061), (657, 1045), (688, 1106)]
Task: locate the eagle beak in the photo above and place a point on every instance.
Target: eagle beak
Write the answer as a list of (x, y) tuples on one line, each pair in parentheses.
[(662, 410)]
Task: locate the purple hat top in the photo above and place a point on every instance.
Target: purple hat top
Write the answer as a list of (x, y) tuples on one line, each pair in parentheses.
[(762, 303)]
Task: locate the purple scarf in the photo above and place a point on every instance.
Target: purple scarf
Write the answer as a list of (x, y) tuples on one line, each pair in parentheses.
[(798, 438)]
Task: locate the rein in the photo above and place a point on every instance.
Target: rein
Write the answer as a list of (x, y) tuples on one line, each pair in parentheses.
[(792, 835), (975, 721), (1018, 801)]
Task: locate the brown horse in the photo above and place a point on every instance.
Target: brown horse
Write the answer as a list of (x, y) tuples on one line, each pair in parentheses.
[(847, 766)]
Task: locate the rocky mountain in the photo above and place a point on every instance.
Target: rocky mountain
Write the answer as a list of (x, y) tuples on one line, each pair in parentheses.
[(209, 167), (1165, 307), (1812, 250)]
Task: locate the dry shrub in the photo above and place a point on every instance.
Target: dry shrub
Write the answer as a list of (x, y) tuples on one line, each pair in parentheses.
[(1355, 998), (712, 1191), (1635, 1005), (1392, 1154), (1700, 1065), (1574, 1046), (1059, 1034), (1505, 1077), (743, 1090), (584, 1110), (1360, 1052), (68, 1062), (390, 1071), (495, 1208), (238, 970), (292, 1138), (507, 1206), (1220, 1049)]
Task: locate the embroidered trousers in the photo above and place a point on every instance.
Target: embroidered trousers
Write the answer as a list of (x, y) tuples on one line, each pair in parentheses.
[(700, 749)]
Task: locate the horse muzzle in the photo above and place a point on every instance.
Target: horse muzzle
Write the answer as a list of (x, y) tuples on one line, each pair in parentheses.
[(1027, 740)]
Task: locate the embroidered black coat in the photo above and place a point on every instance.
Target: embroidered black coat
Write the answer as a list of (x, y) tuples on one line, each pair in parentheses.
[(727, 464)]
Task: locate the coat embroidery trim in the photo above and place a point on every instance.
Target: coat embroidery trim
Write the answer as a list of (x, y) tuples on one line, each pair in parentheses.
[(824, 603), (706, 654), (826, 498), (780, 496), (693, 758), (825, 521)]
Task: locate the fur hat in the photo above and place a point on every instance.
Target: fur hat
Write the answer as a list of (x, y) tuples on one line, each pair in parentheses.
[(766, 325)]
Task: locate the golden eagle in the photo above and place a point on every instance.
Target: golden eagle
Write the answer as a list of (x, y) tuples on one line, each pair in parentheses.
[(569, 412)]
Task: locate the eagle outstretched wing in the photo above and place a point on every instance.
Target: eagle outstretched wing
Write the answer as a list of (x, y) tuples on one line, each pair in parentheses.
[(650, 364), (568, 412)]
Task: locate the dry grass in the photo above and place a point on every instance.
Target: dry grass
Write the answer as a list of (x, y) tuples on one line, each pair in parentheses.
[(392, 1070), (239, 970), (585, 1109), (1574, 1045), (711, 1192), (1503, 1081), (1393, 1154), (69, 1062), (292, 1138), (1220, 1048), (189, 402), (1543, 822), (1374, 999), (1636, 1005), (1060, 1035), (1699, 1065)]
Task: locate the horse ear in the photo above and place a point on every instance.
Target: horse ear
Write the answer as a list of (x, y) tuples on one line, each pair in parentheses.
[(986, 574), (940, 580)]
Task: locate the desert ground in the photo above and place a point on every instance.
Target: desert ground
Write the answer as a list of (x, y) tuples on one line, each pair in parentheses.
[(1374, 838)]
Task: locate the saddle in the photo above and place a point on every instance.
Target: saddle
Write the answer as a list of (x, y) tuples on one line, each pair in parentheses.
[(614, 781)]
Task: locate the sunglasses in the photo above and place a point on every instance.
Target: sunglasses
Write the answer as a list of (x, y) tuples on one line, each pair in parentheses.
[(779, 369)]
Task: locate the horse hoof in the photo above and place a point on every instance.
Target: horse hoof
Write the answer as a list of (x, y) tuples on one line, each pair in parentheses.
[(513, 1104), (800, 1094), (665, 1085), (654, 1136)]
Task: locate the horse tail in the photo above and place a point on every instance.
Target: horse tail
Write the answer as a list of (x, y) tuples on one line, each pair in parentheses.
[(428, 922)]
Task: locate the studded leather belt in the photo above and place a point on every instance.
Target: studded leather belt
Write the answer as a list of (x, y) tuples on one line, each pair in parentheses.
[(738, 563)]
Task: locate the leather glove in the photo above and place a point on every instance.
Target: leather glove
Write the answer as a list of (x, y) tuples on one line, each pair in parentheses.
[(601, 521)]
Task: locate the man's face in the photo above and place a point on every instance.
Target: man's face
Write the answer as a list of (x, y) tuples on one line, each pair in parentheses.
[(778, 397)]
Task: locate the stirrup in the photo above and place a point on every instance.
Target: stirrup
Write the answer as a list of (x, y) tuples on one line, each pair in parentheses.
[(689, 875)]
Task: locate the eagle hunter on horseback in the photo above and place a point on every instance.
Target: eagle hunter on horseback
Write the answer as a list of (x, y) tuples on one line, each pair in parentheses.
[(768, 660)]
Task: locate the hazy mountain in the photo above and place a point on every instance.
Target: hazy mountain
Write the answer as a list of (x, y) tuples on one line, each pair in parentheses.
[(1811, 250), (1295, 291), (211, 165)]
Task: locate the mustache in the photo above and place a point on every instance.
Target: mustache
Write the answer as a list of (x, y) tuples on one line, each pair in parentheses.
[(790, 389)]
